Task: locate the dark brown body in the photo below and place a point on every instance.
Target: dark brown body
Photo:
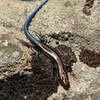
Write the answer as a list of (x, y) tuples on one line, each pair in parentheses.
[(62, 74)]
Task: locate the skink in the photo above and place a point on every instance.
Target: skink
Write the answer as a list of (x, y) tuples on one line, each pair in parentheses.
[(62, 74)]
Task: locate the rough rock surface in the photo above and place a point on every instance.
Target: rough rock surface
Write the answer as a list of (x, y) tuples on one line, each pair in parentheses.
[(56, 16)]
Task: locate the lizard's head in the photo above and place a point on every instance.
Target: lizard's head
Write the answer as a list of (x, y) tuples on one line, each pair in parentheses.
[(63, 79)]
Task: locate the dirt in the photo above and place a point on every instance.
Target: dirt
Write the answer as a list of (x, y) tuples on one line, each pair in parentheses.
[(87, 7), (91, 58)]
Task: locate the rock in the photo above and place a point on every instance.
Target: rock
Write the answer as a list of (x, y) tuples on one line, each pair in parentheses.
[(57, 16)]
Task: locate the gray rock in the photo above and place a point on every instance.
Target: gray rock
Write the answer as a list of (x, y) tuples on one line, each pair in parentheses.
[(54, 17)]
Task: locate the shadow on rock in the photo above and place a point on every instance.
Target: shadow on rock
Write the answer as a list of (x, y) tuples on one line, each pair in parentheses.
[(43, 81)]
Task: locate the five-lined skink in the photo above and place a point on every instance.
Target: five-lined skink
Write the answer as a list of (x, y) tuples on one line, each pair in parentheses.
[(62, 74)]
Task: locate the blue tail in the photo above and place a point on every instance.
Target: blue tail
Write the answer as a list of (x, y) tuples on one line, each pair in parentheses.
[(27, 23)]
